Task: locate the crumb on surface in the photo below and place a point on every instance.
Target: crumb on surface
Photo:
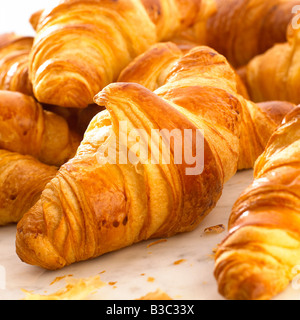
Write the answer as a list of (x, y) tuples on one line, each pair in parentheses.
[(157, 295), (179, 262), (57, 279), (156, 242), (75, 289), (215, 229)]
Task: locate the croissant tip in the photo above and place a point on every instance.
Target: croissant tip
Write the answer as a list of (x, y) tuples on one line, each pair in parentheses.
[(30, 255), (33, 246), (101, 98)]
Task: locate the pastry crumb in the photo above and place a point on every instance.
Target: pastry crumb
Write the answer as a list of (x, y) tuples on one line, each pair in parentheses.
[(75, 289), (57, 279), (179, 262), (215, 229), (156, 242), (157, 295)]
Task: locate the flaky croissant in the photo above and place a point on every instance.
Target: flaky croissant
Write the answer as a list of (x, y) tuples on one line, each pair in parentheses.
[(14, 63), (82, 46), (261, 254), (93, 207), (101, 208), (275, 74), (242, 29), (259, 121), (26, 128), (22, 180)]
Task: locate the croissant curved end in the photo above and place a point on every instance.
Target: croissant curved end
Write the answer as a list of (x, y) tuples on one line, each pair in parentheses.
[(32, 244), (69, 91), (247, 275), (251, 288)]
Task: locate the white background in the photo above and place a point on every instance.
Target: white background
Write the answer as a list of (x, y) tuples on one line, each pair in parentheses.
[(15, 14)]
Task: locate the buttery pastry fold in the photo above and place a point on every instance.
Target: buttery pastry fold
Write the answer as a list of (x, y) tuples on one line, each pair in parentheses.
[(14, 63), (259, 121), (82, 46), (26, 128), (94, 206), (257, 259), (22, 180)]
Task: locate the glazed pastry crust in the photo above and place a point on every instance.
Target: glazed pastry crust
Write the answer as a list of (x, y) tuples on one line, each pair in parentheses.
[(256, 260), (259, 121), (91, 208), (66, 75)]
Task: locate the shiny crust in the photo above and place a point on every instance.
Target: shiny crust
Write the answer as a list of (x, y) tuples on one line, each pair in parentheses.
[(259, 122), (152, 68), (99, 39), (22, 180), (278, 68), (257, 258), (90, 208), (27, 129), (14, 63)]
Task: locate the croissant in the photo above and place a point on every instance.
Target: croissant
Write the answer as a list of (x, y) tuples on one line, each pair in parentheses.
[(258, 258), (274, 75), (242, 29), (26, 128), (94, 206), (35, 19), (22, 180), (14, 63), (259, 121), (82, 46)]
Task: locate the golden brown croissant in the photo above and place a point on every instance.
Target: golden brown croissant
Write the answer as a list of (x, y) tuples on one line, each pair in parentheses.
[(93, 207), (275, 74), (259, 122), (26, 128), (22, 180), (113, 206), (257, 259), (242, 29), (14, 63), (82, 46)]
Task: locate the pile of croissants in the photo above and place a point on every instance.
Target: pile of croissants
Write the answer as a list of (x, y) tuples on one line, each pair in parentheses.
[(229, 68)]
